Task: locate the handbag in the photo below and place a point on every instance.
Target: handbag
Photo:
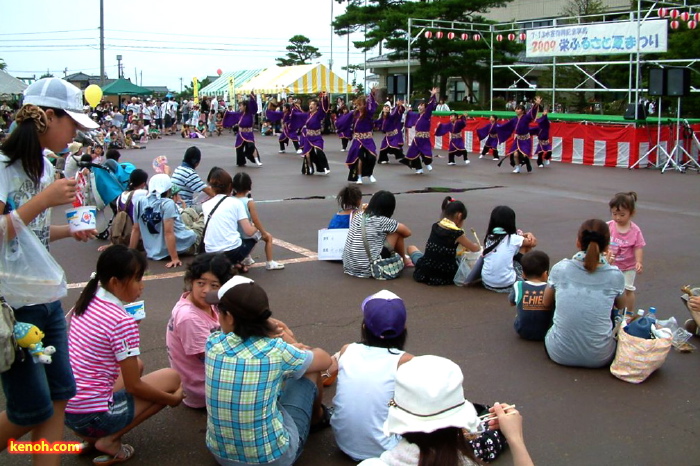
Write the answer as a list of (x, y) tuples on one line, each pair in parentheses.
[(637, 358), (387, 268)]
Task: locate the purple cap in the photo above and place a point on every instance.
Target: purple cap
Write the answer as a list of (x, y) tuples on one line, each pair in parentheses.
[(385, 314)]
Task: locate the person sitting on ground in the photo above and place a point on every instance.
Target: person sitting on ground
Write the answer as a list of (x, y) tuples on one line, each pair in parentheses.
[(192, 321), (186, 178), (533, 319), (242, 185), (136, 190), (583, 291), (349, 200), (225, 217), (160, 225), (429, 411), (263, 392), (383, 234)]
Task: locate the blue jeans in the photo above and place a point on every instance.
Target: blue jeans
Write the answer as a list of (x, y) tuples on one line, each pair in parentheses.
[(31, 388), (97, 425)]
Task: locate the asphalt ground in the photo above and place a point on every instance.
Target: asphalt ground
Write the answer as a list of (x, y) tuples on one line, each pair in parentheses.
[(572, 416)]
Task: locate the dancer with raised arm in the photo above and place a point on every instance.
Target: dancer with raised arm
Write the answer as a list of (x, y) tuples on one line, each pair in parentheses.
[(285, 116), (522, 145), (311, 140), (544, 143), (454, 128), (420, 148), (244, 118), (390, 123), (493, 135), (362, 156)]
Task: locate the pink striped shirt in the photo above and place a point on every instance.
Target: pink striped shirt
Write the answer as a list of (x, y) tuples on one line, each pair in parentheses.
[(98, 340)]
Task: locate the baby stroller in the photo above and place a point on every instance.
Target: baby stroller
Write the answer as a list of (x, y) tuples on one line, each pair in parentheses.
[(98, 186)]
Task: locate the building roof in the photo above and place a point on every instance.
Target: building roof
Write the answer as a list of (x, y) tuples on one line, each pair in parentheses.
[(158, 89), (9, 85)]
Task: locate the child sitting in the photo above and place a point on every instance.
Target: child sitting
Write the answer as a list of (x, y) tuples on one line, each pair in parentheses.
[(349, 199), (266, 129), (366, 375), (263, 393), (533, 319), (192, 321)]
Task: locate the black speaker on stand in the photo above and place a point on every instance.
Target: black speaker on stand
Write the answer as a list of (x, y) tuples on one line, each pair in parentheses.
[(677, 82), (657, 82)]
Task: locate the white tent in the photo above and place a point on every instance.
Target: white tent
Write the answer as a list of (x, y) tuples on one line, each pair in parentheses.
[(10, 86), (298, 79)]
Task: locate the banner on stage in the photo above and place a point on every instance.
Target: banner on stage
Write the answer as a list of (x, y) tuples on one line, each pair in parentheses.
[(598, 39)]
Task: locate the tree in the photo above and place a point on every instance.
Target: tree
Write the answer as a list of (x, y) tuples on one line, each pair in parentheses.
[(3, 65), (46, 75), (583, 8), (299, 52)]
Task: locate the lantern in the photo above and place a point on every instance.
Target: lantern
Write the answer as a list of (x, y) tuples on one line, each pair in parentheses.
[(523, 36), (465, 36), (674, 14), (511, 36), (685, 16), (696, 17), (428, 34), (476, 37), (663, 12), (439, 34), (450, 35), (675, 25), (499, 38), (692, 24)]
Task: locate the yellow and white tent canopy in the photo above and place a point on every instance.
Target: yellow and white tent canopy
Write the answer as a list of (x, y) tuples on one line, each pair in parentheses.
[(298, 79)]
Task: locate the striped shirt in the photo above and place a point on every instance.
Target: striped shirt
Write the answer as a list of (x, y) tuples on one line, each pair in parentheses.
[(355, 259), (189, 182), (243, 380), (98, 340)]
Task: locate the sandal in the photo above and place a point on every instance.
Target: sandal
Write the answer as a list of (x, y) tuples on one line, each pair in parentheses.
[(329, 378), (407, 262), (325, 420), (124, 454)]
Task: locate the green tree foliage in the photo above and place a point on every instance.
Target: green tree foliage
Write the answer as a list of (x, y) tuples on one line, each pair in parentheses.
[(3, 65), (386, 22), (299, 52)]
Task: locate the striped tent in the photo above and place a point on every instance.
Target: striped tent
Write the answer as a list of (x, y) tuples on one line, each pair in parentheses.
[(298, 79), (220, 85)]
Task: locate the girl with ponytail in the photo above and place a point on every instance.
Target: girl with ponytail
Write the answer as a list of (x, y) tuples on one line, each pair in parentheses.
[(583, 291)]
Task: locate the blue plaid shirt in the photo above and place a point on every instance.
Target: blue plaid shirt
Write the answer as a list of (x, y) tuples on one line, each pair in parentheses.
[(244, 379)]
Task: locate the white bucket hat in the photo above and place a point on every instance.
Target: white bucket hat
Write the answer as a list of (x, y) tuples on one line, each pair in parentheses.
[(429, 396), (159, 184), (57, 93)]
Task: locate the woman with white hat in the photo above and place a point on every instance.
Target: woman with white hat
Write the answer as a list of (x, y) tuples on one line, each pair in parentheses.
[(429, 411), (37, 394)]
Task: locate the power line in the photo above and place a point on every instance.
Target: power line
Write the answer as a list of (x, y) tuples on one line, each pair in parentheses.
[(45, 32)]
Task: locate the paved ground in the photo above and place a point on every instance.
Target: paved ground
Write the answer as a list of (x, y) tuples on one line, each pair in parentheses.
[(572, 416)]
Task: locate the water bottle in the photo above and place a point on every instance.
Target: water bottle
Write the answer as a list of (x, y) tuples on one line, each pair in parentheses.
[(652, 314), (629, 315)]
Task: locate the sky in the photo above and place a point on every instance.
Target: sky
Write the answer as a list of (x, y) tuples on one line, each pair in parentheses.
[(158, 47)]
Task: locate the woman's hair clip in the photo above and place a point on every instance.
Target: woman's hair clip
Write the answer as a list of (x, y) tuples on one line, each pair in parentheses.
[(93, 275)]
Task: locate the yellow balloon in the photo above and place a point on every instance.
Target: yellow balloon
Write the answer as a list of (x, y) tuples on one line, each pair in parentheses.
[(93, 94)]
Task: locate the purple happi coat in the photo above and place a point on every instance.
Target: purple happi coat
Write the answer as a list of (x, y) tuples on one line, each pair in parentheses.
[(362, 127), (392, 128), (244, 120), (421, 121), (521, 127), (455, 130), (310, 125), (493, 135), (285, 117), (544, 142)]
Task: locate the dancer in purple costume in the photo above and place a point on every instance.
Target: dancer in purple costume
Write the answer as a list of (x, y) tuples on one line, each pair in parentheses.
[(544, 142), (311, 140), (420, 148), (492, 134), (390, 124), (245, 140), (362, 156), (286, 135), (346, 134), (522, 145), (454, 128)]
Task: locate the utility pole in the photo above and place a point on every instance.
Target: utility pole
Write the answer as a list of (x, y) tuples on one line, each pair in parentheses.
[(180, 85), (102, 43), (65, 72), (330, 62), (119, 66)]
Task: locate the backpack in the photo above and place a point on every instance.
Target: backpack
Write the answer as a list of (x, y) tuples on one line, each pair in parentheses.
[(120, 231), (124, 173), (8, 344)]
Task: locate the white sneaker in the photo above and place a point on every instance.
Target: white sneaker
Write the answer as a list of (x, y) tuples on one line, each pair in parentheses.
[(342, 150), (481, 156), (429, 167), (419, 171), (466, 162), (299, 151), (325, 171), (546, 162), (248, 261), (383, 162), (272, 265), (516, 169), (540, 166), (281, 151), (372, 179), (449, 163), (258, 162), (359, 180)]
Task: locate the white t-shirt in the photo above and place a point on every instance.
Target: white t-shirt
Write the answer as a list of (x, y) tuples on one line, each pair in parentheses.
[(498, 271), (222, 230), (16, 189)]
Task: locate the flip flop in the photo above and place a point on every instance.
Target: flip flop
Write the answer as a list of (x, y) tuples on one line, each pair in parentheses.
[(124, 454)]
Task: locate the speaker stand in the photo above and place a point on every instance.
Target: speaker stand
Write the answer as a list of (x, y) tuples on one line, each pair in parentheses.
[(691, 163), (678, 148), (658, 147)]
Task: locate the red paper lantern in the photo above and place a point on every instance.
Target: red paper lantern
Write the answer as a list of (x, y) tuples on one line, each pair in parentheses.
[(476, 37), (663, 12), (523, 36), (499, 38), (465, 36), (439, 34), (685, 16), (675, 24), (696, 17), (692, 24), (219, 71), (450, 35), (428, 34), (511, 36), (674, 14)]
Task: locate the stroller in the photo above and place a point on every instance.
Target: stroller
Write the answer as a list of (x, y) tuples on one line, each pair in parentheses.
[(99, 187)]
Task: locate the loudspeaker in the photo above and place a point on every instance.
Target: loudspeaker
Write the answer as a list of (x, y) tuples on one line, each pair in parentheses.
[(678, 81), (391, 85), (657, 82), (401, 84), (641, 112)]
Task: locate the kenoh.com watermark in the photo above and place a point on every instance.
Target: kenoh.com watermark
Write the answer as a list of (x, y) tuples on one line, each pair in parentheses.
[(17, 447)]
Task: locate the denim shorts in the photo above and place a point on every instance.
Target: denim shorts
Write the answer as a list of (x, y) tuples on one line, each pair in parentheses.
[(31, 388), (97, 425), (240, 253)]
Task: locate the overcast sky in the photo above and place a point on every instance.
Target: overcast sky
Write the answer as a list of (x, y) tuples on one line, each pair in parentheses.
[(185, 41)]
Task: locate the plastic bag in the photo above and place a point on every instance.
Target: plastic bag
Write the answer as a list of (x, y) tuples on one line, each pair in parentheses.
[(28, 273), (467, 261)]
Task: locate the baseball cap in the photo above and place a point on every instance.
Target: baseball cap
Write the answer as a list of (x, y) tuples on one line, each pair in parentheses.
[(385, 314), (242, 298), (159, 184), (57, 93)]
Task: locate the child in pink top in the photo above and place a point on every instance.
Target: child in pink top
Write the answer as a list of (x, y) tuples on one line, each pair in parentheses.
[(192, 321), (626, 242), (113, 396)]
